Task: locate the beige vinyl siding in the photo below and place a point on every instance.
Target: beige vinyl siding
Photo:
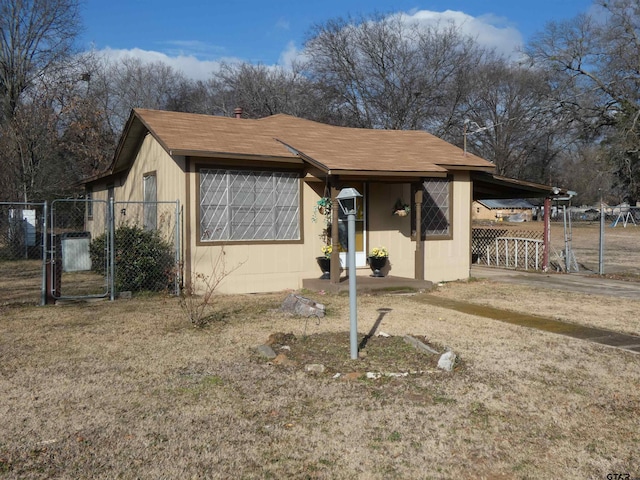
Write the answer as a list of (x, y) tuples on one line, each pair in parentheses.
[(388, 230), (264, 267), (275, 267), (447, 260), (169, 174)]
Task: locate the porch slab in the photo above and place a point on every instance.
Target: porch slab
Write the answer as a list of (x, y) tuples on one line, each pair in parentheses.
[(368, 284)]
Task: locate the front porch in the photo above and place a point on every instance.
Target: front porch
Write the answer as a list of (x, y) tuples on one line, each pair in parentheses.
[(366, 283)]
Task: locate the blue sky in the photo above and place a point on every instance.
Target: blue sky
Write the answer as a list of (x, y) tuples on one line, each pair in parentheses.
[(195, 35)]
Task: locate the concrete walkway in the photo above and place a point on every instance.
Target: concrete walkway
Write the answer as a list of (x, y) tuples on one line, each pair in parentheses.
[(580, 283), (569, 282), (598, 335)]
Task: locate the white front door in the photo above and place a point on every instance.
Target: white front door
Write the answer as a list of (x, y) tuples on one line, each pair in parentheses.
[(361, 230)]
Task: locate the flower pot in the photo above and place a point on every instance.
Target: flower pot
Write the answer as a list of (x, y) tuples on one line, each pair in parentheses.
[(377, 264), (325, 265)]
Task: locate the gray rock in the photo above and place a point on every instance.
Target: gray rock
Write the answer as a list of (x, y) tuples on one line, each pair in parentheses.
[(299, 305), (447, 361), (266, 351), (314, 368), (419, 345)]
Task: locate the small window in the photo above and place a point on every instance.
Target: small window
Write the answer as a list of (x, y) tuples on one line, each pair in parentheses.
[(89, 203), (436, 209), (150, 210)]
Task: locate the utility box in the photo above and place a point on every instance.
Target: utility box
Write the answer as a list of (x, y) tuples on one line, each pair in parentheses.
[(75, 251)]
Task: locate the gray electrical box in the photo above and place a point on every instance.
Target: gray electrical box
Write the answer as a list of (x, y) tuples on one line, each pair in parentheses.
[(75, 251)]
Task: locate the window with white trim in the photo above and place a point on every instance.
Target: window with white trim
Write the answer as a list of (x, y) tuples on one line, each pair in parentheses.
[(244, 205)]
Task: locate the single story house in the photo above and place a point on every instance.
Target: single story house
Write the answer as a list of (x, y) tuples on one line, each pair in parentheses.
[(256, 189), (508, 210)]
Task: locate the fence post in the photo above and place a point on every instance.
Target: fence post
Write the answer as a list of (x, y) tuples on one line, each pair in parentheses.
[(112, 253), (506, 253), (45, 224), (177, 242), (601, 246), (547, 234)]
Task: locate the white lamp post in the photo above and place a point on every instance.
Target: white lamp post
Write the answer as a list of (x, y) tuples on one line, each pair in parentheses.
[(347, 198)]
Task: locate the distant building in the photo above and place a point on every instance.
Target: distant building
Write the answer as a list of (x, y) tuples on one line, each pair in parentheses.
[(508, 210)]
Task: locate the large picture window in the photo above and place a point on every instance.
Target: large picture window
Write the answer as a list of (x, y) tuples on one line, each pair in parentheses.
[(249, 205), (436, 208)]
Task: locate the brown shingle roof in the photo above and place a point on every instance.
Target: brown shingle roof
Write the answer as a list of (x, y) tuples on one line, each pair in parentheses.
[(329, 147)]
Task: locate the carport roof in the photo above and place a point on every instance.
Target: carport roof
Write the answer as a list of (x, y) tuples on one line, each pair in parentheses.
[(487, 185)]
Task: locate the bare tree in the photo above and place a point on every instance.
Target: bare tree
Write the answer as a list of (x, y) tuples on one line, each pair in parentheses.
[(389, 72), (511, 121), (35, 35), (132, 83), (262, 91), (28, 145), (596, 58)]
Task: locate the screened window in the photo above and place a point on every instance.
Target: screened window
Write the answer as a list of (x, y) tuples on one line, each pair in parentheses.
[(436, 208), (249, 205), (150, 197)]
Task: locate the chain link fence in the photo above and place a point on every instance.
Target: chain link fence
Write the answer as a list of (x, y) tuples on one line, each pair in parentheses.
[(75, 249), (22, 253), (580, 242), (610, 242)]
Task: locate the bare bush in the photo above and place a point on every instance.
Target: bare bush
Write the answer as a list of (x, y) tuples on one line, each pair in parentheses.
[(197, 297)]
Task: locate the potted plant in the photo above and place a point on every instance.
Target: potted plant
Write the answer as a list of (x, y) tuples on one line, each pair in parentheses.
[(322, 207), (377, 260), (401, 209), (324, 262)]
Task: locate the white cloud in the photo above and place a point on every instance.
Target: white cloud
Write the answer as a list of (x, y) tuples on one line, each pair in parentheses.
[(488, 30), (199, 60), (191, 66), (289, 55)]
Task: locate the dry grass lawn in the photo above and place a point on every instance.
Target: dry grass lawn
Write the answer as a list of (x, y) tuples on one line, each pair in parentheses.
[(131, 390)]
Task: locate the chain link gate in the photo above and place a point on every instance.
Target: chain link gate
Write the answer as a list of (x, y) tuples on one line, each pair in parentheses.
[(73, 272), (104, 248), (23, 228)]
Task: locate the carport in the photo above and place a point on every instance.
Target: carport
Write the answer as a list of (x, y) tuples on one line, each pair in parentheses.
[(489, 186)]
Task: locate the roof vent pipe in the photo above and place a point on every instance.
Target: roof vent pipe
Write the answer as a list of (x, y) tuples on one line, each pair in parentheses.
[(238, 112)]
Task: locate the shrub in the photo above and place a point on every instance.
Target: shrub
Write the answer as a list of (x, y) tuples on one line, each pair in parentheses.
[(144, 261)]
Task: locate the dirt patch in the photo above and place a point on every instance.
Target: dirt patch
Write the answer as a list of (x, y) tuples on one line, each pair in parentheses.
[(377, 354)]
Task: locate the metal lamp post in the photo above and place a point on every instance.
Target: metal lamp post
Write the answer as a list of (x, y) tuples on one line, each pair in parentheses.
[(347, 198)]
